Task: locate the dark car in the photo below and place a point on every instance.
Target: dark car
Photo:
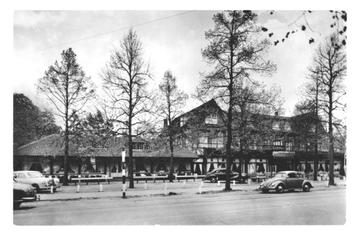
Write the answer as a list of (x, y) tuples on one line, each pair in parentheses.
[(23, 193), (286, 180), (220, 174)]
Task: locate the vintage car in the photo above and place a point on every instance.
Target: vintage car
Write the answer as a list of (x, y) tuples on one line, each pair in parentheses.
[(142, 173), (36, 179), (220, 174), (23, 193), (286, 180)]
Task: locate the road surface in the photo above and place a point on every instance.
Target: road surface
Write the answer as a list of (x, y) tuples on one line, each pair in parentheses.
[(234, 208)]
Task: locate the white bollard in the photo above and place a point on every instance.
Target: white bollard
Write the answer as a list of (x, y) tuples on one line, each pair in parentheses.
[(100, 187), (78, 188), (51, 189), (234, 182), (249, 181), (145, 186), (218, 182), (201, 186)]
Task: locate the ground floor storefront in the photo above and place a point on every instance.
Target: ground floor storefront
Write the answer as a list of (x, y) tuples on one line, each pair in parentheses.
[(260, 162), (111, 166)]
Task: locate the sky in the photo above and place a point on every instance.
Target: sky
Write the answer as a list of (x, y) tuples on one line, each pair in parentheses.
[(172, 40)]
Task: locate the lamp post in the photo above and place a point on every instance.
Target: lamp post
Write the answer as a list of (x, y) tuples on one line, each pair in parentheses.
[(123, 173)]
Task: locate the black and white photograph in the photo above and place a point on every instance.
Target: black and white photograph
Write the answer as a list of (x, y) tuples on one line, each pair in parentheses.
[(190, 117)]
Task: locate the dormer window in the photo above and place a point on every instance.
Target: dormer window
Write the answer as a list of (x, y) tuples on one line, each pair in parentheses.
[(211, 119), (276, 125), (183, 120)]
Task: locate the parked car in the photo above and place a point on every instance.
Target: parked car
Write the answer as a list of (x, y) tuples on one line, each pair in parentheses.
[(220, 174), (286, 180), (37, 180), (162, 173), (23, 193), (142, 173)]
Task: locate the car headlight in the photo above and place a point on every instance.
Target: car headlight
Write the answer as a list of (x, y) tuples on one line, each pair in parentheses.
[(273, 184)]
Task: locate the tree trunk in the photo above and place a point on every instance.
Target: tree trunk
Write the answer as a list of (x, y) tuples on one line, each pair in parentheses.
[(65, 160), (171, 165), (130, 158)]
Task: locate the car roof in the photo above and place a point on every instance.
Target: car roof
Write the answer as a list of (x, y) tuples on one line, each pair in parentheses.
[(23, 171)]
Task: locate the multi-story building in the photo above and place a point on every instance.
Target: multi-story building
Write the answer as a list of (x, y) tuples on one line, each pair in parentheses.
[(266, 143)]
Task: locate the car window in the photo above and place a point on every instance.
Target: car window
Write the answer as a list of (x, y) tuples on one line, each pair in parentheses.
[(21, 175), (34, 174), (280, 175), (299, 175), (292, 175)]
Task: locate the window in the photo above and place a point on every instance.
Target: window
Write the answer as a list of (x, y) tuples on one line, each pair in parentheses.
[(277, 143), (292, 175), (138, 145), (253, 145), (211, 119), (287, 126), (276, 125), (183, 120), (289, 146), (203, 140)]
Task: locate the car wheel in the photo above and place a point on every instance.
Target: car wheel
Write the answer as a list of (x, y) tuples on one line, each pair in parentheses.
[(306, 187), (279, 188), (213, 179), (17, 205), (37, 188)]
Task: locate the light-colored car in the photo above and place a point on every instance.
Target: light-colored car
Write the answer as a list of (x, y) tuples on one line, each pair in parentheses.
[(286, 180), (37, 180)]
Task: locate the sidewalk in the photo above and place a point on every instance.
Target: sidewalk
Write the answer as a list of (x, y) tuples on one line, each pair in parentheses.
[(114, 189)]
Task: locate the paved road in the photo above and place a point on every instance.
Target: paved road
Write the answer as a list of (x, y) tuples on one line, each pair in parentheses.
[(234, 208)]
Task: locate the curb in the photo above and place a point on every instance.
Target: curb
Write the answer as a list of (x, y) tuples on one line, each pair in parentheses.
[(172, 193)]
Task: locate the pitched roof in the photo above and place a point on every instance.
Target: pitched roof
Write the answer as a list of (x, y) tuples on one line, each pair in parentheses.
[(53, 145)]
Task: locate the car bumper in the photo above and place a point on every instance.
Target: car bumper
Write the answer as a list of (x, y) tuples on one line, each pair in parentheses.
[(266, 188), (34, 198)]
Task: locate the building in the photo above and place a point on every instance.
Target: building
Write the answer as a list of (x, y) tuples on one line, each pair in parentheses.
[(47, 154), (270, 144)]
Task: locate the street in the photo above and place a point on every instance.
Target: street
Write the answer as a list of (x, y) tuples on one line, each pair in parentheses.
[(231, 208)]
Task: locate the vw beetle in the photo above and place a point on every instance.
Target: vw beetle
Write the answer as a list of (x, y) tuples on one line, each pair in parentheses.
[(286, 180)]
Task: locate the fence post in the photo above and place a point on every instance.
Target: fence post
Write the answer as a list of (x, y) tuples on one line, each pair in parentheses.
[(201, 186), (78, 187)]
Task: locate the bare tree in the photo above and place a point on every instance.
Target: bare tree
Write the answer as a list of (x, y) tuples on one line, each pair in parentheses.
[(125, 79), (251, 102), (331, 61), (235, 52), (170, 106), (312, 104), (68, 88)]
